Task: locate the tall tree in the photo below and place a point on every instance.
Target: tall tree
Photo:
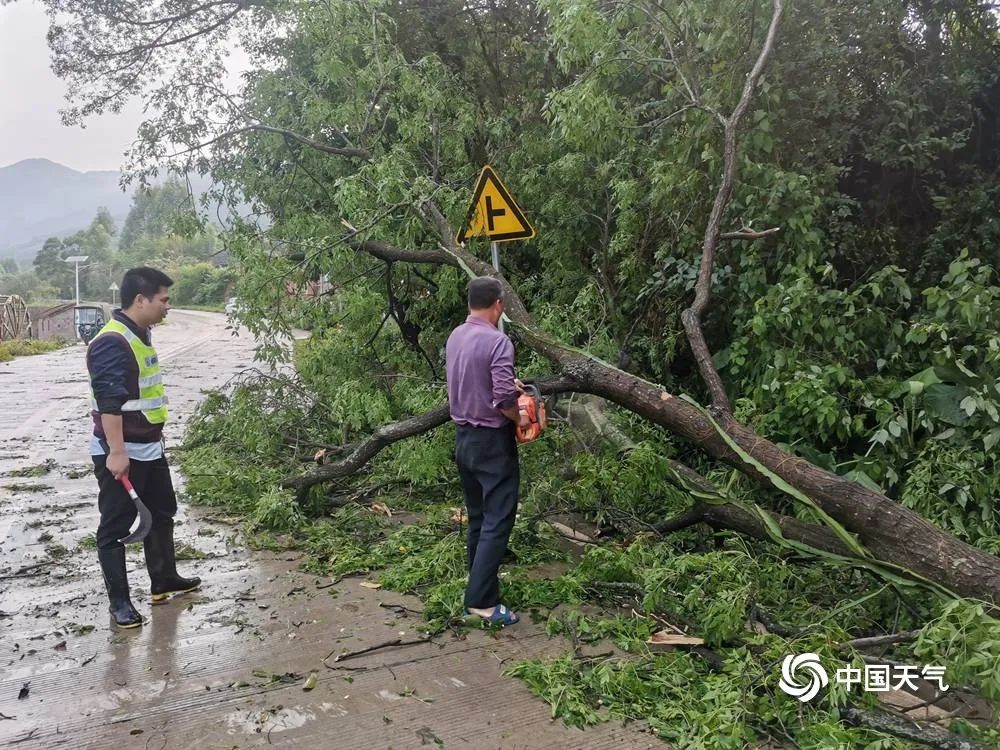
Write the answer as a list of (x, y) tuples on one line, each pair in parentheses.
[(52, 269)]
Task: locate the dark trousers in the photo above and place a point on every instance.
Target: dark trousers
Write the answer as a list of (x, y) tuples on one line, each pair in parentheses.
[(151, 480), (489, 471)]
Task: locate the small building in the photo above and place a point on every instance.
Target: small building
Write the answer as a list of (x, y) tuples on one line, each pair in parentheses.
[(50, 323)]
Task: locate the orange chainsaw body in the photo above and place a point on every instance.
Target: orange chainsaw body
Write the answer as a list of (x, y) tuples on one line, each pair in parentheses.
[(530, 403)]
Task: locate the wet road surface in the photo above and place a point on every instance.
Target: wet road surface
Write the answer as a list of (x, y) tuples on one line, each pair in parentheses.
[(223, 667)]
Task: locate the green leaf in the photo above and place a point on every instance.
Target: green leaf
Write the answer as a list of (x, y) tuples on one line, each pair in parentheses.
[(943, 402), (857, 475), (991, 439), (968, 405)]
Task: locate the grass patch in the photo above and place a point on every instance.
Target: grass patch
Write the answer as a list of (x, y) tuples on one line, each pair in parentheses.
[(187, 552), (39, 470), (21, 487), (56, 551), (22, 348), (78, 472)]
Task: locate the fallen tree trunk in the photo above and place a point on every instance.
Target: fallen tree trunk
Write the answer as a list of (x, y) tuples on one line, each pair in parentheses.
[(891, 532), (896, 534)]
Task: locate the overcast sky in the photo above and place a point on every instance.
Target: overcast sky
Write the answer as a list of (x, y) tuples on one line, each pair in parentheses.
[(31, 97)]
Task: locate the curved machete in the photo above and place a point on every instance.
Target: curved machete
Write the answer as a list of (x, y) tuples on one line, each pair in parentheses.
[(145, 517)]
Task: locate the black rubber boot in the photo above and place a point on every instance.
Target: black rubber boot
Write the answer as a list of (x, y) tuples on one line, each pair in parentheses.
[(116, 580), (161, 563)]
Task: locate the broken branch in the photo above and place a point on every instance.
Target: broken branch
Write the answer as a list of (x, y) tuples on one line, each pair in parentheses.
[(693, 316), (749, 234), (909, 729), (388, 644)]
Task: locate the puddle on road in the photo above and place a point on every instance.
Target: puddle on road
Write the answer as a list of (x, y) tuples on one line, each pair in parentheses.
[(277, 719)]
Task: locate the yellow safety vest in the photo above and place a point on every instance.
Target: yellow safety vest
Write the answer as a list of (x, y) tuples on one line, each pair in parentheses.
[(152, 401)]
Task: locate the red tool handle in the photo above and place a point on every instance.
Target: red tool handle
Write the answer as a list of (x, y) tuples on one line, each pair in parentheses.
[(128, 487)]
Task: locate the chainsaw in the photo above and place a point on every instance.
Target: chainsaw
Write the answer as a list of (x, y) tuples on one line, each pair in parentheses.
[(530, 403)]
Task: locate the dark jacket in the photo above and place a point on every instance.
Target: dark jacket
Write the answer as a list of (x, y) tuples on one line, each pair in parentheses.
[(114, 378)]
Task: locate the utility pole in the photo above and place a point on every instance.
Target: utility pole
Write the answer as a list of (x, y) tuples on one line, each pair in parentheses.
[(76, 260)]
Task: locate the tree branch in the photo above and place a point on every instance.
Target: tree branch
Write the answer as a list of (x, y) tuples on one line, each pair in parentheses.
[(358, 153), (880, 640), (390, 253), (168, 19), (731, 516), (388, 434), (908, 729), (749, 234), (693, 316)]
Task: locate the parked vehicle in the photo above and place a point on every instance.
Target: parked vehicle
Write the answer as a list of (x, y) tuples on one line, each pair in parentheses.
[(90, 317)]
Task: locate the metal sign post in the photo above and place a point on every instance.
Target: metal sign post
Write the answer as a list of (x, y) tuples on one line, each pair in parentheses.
[(113, 288), (495, 251)]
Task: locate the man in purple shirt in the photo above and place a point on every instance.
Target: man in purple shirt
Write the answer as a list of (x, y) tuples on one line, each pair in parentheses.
[(482, 398)]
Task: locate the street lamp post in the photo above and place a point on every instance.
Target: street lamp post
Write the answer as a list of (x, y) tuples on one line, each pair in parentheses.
[(76, 260)]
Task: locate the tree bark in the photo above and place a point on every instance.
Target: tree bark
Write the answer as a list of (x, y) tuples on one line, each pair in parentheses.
[(924, 733)]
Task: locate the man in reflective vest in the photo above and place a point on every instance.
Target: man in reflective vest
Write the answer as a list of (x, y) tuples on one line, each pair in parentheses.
[(129, 407)]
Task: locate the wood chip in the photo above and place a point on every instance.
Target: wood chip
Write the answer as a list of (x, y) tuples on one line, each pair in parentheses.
[(380, 508), (666, 638)]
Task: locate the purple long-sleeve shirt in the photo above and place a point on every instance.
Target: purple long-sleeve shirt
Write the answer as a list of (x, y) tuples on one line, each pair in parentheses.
[(480, 371)]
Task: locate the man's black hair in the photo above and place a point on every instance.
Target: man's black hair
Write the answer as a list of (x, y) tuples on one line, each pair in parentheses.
[(145, 281), (483, 292)]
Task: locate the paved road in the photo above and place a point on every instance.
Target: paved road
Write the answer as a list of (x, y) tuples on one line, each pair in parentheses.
[(223, 667)]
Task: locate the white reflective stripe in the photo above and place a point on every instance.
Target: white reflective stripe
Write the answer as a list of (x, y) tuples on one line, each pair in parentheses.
[(126, 332), (144, 404), (135, 451), (150, 381)]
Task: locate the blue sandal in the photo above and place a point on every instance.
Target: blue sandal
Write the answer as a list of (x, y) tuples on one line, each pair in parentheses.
[(501, 616)]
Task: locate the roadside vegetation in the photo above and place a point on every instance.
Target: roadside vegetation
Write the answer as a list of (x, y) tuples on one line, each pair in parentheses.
[(21, 348)]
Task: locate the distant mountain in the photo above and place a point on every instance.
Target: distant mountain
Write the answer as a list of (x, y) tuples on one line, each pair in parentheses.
[(41, 199)]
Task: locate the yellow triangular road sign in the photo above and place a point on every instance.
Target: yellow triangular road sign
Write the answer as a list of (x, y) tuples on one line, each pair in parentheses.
[(493, 212)]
